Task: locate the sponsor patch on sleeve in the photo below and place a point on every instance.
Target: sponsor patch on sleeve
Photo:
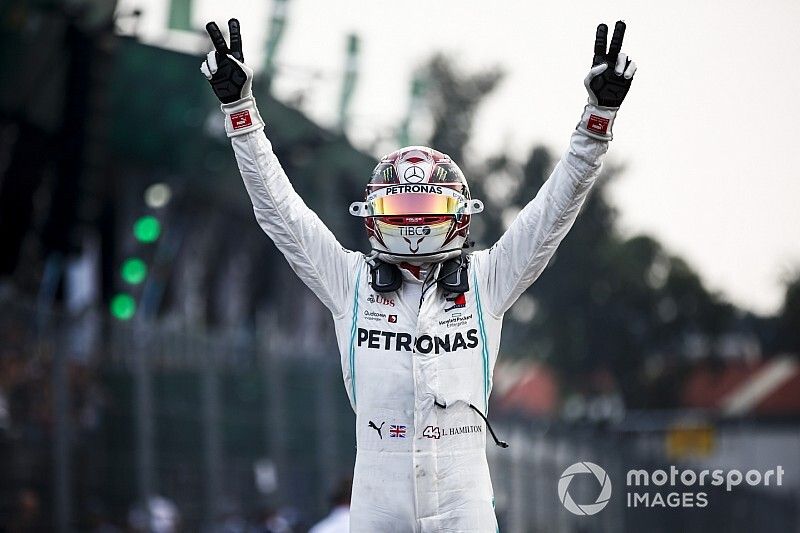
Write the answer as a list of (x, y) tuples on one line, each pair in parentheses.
[(597, 124), (242, 119)]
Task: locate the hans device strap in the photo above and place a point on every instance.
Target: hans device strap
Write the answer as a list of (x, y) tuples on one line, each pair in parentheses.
[(453, 275), (386, 277)]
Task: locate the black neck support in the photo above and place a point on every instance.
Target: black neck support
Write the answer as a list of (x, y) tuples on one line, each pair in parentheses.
[(386, 277)]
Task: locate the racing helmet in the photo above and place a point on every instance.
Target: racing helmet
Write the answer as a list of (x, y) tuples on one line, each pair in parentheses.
[(417, 207)]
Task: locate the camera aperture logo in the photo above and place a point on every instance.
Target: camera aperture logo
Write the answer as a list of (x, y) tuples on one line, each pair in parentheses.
[(586, 509), (670, 487)]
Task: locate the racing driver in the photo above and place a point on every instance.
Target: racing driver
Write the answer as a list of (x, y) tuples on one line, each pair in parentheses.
[(418, 318)]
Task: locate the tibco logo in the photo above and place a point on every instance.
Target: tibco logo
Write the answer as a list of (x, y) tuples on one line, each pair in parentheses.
[(413, 231), (588, 509)]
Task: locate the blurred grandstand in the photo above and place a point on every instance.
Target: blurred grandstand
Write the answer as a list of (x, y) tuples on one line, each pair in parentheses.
[(162, 369)]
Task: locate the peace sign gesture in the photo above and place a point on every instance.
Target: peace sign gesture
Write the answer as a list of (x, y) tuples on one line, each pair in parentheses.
[(220, 46), (612, 72), (224, 66)]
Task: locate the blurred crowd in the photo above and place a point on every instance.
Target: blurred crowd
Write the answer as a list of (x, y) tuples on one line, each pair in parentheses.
[(26, 402), (161, 515), (28, 420)]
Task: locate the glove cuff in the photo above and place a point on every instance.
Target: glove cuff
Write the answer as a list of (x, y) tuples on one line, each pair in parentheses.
[(242, 117), (596, 121)]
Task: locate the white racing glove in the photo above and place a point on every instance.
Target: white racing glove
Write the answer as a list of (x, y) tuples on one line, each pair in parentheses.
[(231, 80), (607, 83)]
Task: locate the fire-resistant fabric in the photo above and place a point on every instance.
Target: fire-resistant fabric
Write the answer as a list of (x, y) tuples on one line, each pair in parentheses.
[(419, 467)]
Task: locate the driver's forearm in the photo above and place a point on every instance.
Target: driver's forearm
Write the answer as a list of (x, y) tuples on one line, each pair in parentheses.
[(522, 253), (295, 229)]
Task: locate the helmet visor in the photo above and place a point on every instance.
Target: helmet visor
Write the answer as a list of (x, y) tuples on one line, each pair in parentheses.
[(414, 204), (415, 200)]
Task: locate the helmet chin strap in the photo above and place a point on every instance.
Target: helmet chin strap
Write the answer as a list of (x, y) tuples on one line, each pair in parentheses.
[(415, 260)]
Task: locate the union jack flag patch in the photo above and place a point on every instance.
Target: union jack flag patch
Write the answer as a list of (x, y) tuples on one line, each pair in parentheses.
[(397, 432)]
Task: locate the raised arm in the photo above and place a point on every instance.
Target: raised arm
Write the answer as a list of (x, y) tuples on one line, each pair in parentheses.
[(309, 247), (522, 253)]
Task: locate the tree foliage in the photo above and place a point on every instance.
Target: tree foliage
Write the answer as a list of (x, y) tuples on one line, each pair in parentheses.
[(454, 98), (606, 302), (787, 338)]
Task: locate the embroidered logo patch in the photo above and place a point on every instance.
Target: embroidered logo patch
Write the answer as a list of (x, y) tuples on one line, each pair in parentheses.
[(597, 124), (241, 119)]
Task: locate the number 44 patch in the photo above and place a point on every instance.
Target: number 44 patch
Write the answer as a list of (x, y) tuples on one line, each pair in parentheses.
[(432, 432)]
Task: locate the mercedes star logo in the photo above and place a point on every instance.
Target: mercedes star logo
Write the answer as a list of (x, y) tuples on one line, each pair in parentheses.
[(414, 174)]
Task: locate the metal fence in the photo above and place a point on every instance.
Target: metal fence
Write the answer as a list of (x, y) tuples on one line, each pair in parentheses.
[(96, 416), (526, 476), (102, 415)]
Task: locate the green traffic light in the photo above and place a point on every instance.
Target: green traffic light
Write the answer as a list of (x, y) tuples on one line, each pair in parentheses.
[(147, 229), (123, 306), (134, 270)]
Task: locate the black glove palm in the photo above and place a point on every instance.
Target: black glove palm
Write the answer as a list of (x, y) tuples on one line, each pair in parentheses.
[(610, 86), (228, 79)]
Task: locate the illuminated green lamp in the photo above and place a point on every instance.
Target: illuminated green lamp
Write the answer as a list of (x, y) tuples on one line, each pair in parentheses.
[(147, 229), (134, 270), (123, 306)]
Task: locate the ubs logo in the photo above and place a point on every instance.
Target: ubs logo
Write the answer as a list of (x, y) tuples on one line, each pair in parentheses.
[(383, 300)]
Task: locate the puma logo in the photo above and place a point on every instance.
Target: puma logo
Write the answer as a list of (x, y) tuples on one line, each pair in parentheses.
[(376, 428)]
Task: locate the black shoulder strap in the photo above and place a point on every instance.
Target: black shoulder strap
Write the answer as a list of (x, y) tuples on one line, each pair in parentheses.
[(453, 275), (385, 277)]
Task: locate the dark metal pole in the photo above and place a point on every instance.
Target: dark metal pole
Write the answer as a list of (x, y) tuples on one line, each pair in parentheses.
[(275, 412), (211, 429), (326, 428), (61, 437), (143, 394)]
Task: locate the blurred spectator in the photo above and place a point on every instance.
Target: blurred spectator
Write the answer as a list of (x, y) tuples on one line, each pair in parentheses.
[(27, 514), (271, 521), (105, 526), (10, 376), (230, 519), (99, 519), (88, 397), (338, 521), (5, 413), (158, 515)]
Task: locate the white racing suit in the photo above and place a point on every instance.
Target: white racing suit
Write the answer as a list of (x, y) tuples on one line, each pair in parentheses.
[(419, 467)]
